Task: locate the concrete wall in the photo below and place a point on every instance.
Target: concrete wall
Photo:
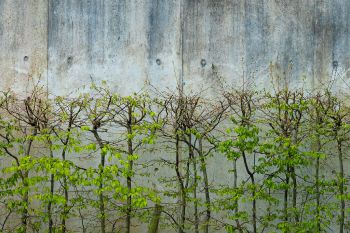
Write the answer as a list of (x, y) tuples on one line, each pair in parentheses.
[(23, 43), (134, 43)]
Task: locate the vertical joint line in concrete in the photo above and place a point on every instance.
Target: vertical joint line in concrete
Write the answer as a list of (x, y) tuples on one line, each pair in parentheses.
[(47, 46), (181, 46)]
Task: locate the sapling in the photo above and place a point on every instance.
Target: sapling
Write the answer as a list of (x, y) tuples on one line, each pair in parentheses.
[(99, 113), (319, 108), (69, 111), (192, 120), (246, 140), (200, 122), (318, 121), (174, 109), (134, 120), (284, 114), (27, 114), (187, 125), (48, 123), (337, 120)]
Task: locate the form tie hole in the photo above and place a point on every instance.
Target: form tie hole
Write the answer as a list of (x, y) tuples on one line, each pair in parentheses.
[(203, 62)]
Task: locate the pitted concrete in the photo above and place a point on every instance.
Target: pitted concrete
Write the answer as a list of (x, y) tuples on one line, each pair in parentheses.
[(137, 43)]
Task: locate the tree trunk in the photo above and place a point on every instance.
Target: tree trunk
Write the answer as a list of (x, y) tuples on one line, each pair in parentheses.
[(182, 191), (65, 183), (295, 193), (235, 185), (130, 170), (52, 190), (66, 196), (285, 198), (25, 199), (101, 171), (341, 187), (206, 187), (195, 204), (101, 199), (251, 175), (25, 196), (317, 184), (154, 225)]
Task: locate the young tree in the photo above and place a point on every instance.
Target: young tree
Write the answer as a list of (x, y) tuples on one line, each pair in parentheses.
[(245, 142), (137, 128), (173, 134), (285, 112), (23, 124), (200, 119), (99, 113), (337, 118)]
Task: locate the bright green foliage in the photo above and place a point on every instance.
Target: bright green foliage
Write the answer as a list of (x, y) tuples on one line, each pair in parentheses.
[(108, 162)]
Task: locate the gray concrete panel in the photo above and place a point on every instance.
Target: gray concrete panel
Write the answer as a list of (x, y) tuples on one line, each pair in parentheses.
[(23, 44)]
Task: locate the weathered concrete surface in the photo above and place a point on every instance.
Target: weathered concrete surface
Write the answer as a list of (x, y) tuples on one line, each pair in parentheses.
[(134, 43), (303, 42), (119, 41), (23, 44)]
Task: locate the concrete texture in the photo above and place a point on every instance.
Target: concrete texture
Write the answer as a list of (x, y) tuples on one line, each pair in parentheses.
[(134, 43), (255, 40), (118, 41), (23, 44)]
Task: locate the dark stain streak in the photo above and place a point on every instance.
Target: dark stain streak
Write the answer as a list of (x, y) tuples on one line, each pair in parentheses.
[(1, 21), (322, 36), (161, 12), (53, 33), (254, 37), (340, 18), (116, 24), (92, 30)]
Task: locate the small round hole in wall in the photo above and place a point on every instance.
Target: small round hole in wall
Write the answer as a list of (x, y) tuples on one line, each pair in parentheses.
[(203, 62), (158, 61), (70, 60), (335, 64), (26, 58)]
